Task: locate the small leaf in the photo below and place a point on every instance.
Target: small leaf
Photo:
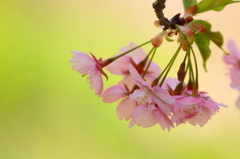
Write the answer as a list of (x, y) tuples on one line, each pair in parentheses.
[(188, 3), (216, 37), (202, 41), (216, 5), (168, 39)]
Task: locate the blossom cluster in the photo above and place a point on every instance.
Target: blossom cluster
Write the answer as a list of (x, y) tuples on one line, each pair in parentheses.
[(142, 100), (147, 95)]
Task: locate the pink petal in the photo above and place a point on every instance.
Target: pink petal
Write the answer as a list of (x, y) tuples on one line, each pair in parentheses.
[(209, 105), (128, 80), (95, 80), (135, 75), (164, 95), (234, 57), (137, 55), (171, 82), (165, 108), (235, 76), (178, 120), (113, 93), (202, 118), (189, 100), (153, 70), (82, 62), (163, 120), (119, 66), (145, 116), (132, 123), (126, 108)]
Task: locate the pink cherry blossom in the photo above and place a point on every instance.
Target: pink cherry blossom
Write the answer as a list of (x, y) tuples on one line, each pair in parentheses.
[(234, 60), (154, 103), (126, 107), (194, 109), (120, 66), (87, 65), (234, 57)]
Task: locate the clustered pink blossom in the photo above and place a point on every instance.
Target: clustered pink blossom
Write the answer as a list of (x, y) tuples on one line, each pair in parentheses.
[(150, 105), (234, 60), (143, 103), (146, 95)]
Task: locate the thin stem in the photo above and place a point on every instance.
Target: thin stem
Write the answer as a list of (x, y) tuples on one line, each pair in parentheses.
[(154, 49), (116, 57), (168, 67), (196, 66), (191, 75), (195, 89)]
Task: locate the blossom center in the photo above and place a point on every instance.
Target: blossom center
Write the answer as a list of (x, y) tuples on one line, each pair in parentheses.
[(190, 111)]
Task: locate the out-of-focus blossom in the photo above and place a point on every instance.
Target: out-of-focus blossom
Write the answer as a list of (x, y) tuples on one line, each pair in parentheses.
[(234, 60), (120, 66), (194, 109), (91, 66), (154, 103)]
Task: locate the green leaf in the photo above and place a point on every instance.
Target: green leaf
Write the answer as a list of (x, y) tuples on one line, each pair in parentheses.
[(188, 3), (217, 5), (202, 41), (216, 37)]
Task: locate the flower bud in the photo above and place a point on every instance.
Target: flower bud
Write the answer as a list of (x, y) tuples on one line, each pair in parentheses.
[(158, 39), (181, 72)]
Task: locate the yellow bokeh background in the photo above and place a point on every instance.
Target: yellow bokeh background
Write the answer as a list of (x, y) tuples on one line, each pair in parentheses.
[(47, 110)]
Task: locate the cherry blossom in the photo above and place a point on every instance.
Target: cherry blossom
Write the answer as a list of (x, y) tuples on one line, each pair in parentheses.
[(154, 103), (194, 109), (87, 65)]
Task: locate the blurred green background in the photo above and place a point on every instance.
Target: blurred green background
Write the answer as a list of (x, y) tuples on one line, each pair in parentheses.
[(47, 110)]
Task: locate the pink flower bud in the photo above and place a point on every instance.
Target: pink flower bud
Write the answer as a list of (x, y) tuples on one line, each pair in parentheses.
[(158, 39)]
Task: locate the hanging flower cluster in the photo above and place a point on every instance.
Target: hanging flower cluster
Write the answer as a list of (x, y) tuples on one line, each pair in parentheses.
[(146, 95)]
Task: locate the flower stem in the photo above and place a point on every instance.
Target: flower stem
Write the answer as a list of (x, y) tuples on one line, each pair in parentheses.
[(168, 67), (110, 60), (195, 88), (154, 49)]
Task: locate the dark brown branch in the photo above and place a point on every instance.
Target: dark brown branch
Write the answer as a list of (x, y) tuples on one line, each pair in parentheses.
[(158, 6)]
